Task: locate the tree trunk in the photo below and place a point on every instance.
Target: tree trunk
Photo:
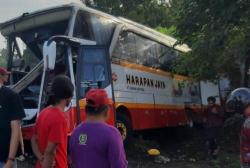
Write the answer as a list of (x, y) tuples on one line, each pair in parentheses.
[(246, 75), (242, 74)]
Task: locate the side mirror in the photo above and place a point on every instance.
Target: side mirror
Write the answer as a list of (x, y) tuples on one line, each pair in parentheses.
[(49, 55)]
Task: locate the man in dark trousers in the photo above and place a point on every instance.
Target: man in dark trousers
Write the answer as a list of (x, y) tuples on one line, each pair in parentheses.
[(214, 116), (49, 142), (95, 144), (11, 113)]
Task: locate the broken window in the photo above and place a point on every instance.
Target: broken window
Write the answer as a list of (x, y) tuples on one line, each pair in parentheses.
[(25, 55), (92, 27)]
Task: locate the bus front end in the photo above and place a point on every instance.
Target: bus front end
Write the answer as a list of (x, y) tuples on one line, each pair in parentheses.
[(26, 37)]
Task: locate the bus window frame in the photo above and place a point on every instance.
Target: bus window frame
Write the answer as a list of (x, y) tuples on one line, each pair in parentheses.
[(78, 73), (141, 35), (79, 63), (76, 23)]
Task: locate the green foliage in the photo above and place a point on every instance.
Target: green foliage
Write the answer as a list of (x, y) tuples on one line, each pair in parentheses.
[(226, 160), (218, 33), (171, 31), (147, 12)]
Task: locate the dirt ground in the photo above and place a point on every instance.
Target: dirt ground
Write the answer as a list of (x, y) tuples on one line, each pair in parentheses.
[(184, 147), (138, 164)]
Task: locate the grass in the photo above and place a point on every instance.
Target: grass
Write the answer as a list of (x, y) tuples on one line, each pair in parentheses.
[(226, 161)]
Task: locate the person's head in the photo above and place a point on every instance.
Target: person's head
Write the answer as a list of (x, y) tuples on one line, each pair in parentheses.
[(247, 110), (4, 75), (211, 100), (97, 103), (60, 69), (62, 90)]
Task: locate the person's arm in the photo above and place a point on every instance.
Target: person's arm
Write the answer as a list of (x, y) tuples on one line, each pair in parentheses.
[(70, 150), (49, 155), (35, 148), (14, 142), (116, 152)]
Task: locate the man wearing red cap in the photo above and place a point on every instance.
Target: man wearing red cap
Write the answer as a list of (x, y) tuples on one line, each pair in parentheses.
[(11, 112), (94, 144)]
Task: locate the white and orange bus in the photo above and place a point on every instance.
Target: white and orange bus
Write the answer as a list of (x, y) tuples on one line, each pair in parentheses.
[(132, 62)]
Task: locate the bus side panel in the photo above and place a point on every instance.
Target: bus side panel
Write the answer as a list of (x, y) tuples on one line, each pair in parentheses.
[(153, 98), (145, 116), (170, 115), (142, 116), (169, 112), (209, 89)]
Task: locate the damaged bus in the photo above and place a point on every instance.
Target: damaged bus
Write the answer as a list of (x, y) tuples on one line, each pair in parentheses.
[(132, 62)]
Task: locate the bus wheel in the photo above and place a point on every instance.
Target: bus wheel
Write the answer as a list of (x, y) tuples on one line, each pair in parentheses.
[(124, 126)]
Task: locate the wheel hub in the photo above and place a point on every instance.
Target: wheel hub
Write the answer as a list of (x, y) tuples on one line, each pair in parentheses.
[(122, 128)]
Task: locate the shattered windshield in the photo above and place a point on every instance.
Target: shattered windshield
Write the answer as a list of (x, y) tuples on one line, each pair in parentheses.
[(26, 47)]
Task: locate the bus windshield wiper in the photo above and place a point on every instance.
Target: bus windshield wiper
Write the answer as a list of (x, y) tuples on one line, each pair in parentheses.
[(91, 84)]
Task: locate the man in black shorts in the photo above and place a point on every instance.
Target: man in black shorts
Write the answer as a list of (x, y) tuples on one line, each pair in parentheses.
[(11, 113)]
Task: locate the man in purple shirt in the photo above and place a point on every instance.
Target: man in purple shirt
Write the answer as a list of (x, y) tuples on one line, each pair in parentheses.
[(94, 144)]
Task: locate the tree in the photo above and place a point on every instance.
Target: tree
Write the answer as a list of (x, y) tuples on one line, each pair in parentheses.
[(218, 33), (147, 12)]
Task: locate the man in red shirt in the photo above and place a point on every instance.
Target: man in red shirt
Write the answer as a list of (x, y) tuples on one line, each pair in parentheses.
[(245, 140), (49, 142)]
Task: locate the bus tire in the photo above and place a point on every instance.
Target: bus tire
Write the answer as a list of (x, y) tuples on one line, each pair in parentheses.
[(123, 124)]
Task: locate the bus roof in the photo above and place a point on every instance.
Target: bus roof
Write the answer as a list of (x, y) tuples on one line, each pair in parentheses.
[(35, 19), (40, 17), (155, 35)]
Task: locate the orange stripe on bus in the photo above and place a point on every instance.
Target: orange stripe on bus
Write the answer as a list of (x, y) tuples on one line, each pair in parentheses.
[(151, 70), (148, 106), (82, 104)]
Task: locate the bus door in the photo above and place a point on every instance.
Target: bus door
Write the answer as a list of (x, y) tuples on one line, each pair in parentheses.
[(93, 71)]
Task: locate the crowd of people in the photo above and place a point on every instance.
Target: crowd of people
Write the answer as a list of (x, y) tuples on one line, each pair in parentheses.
[(93, 144)]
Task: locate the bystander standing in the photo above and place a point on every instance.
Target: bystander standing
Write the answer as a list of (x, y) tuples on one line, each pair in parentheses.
[(49, 142), (11, 113), (214, 117), (95, 144)]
